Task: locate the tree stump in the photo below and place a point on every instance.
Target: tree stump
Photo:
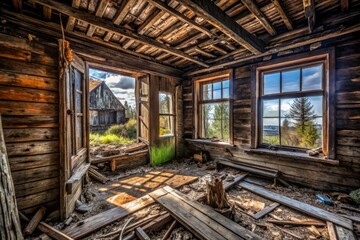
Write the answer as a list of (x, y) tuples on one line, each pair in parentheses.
[(10, 227), (216, 196)]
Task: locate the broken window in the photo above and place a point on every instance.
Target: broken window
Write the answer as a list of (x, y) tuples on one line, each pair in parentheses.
[(291, 106), (214, 110), (166, 114)]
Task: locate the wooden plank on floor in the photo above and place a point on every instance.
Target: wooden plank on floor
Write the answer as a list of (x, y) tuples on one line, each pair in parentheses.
[(100, 220), (331, 231), (196, 222), (266, 210), (91, 224), (297, 205), (344, 234), (220, 220)]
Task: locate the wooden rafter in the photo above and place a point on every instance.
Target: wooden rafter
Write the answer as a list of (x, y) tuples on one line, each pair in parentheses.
[(92, 45), (344, 5), (154, 17), (70, 24), (166, 8), (215, 16), (253, 8), (76, 3), (281, 10), (108, 26), (122, 11), (100, 10), (309, 9), (283, 47)]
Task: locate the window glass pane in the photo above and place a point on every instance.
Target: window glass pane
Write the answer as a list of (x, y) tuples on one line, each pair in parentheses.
[(271, 108), (217, 85), (271, 131), (302, 108), (271, 83), (289, 135), (312, 78), (291, 80), (207, 91), (317, 105), (165, 103), (217, 94), (216, 121), (165, 125), (226, 92), (300, 124), (226, 84)]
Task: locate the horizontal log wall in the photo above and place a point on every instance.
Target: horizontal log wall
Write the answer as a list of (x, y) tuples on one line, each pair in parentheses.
[(29, 103), (343, 177)]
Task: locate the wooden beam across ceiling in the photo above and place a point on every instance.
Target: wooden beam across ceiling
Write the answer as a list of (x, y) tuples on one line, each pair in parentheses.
[(253, 8), (218, 18), (306, 40), (281, 10), (92, 46), (108, 26), (166, 8)]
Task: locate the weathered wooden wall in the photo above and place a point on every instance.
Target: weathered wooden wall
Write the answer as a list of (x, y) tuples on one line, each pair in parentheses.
[(317, 175), (29, 104)]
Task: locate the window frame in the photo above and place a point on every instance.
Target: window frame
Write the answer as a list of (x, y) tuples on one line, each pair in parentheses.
[(171, 115), (293, 94), (324, 56), (198, 101)]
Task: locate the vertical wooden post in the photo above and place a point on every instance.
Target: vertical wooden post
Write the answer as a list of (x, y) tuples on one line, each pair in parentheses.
[(9, 220)]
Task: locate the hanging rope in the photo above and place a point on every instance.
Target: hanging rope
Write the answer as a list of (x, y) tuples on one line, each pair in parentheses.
[(66, 45)]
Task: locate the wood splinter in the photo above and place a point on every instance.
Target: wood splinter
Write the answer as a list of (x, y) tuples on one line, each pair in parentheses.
[(34, 222)]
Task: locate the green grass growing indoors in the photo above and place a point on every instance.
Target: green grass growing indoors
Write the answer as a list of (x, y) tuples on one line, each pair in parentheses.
[(117, 134)]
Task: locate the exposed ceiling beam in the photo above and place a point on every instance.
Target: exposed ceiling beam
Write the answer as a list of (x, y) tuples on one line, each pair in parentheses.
[(253, 8), (153, 18), (300, 42), (70, 24), (91, 45), (100, 10), (281, 10), (76, 3), (166, 8), (108, 26), (215, 16), (344, 5), (122, 11), (309, 9)]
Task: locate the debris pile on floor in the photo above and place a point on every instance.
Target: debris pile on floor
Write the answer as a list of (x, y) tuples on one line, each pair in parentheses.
[(139, 204)]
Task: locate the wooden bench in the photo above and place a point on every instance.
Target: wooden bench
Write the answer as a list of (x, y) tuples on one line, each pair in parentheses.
[(200, 219)]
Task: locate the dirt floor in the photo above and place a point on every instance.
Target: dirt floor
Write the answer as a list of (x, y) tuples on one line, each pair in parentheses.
[(125, 186)]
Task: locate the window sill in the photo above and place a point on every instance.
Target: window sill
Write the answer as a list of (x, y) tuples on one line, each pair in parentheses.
[(167, 136), (209, 142), (294, 155)]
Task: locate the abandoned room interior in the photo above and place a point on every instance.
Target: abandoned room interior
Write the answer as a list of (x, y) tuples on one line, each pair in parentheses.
[(180, 119)]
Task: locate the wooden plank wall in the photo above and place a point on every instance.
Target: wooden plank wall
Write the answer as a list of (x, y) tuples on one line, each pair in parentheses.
[(30, 106), (343, 177)]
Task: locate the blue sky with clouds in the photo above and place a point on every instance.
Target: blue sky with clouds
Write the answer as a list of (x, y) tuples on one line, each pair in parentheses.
[(122, 86)]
